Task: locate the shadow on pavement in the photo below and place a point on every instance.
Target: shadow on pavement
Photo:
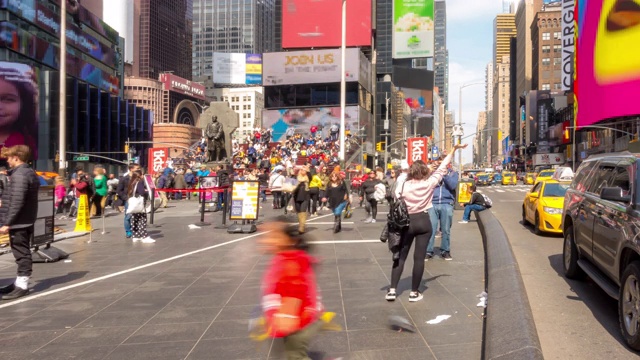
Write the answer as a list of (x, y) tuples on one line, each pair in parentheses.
[(58, 280)]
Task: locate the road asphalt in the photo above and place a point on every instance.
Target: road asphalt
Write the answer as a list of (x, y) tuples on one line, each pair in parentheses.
[(574, 319), (191, 294)]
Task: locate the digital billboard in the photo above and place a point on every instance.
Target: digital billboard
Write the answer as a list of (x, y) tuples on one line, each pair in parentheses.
[(237, 68), (413, 29), (568, 41), (183, 86), (309, 67), (301, 120), (607, 61), (317, 24), (19, 91)]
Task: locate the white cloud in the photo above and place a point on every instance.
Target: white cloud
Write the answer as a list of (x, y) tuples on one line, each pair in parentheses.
[(458, 10)]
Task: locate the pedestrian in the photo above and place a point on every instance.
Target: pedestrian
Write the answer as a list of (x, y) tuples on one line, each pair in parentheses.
[(164, 182), (314, 192), (417, 192), (263, 179), (123, 186), (477, 203), (18, 212), (137, 188), (60, 194), (190, 179), (100, 195), (442, 214), (275, 184), (179, 184), (324, 177), (338, 198), (367, 192), (112, 191), (3, 179), (301, 197), (290, 295), (390, 183)]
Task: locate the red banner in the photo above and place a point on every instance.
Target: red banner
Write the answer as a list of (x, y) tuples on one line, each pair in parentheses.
[(417, 149), (157, 159)]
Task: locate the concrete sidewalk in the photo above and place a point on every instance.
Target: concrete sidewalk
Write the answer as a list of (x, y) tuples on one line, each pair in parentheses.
[(190, 295)]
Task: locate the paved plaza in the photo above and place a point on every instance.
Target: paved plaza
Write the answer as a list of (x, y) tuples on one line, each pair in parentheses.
[(191, 294)]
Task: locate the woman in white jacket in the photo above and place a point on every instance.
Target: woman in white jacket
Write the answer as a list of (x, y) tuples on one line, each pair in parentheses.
[(276, 180)]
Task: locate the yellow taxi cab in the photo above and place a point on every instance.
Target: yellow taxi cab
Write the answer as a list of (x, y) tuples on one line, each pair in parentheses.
[(543, 204), (508, 178), (529, 178), (544, 175)]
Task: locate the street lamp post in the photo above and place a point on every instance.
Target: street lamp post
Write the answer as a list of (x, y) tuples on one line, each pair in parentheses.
[(62, 111), (343, 83), (460, 119)]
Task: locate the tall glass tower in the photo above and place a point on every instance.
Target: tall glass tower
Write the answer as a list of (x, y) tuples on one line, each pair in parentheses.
[(441, 54)]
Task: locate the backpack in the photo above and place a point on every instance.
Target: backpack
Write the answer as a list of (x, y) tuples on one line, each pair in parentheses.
[(398, 216), (487, 202)]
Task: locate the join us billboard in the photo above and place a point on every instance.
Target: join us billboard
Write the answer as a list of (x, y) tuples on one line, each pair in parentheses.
[(317, 24), (607, 81), (413, 29)]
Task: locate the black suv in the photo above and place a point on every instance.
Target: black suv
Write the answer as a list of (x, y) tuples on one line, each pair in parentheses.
[(601, 225)]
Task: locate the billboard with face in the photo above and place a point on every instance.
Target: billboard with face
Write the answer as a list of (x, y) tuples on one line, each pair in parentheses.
[(18, 106), (317, 24), (607, 60)]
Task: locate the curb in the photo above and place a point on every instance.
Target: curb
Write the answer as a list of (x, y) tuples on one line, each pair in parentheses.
[(509, 329)]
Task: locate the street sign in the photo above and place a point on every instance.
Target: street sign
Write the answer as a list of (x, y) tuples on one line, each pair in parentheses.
[(80, 158)]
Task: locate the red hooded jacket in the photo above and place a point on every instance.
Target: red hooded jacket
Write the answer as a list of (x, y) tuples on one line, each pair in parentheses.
[(291, 275)]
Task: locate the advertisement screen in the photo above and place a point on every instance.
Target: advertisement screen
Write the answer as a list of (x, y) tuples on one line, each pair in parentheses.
[(300, 121), (309, 67), (607, 62), (19, 117), (413, 35), (232, 68), (317, 24)]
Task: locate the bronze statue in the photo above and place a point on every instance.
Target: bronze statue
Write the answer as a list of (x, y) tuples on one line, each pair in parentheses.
[(215, 140)]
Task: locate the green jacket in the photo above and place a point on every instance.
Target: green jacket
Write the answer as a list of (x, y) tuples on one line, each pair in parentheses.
[(101, 185)]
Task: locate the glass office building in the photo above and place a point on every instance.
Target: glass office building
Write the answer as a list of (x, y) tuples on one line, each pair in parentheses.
[(98, 118)]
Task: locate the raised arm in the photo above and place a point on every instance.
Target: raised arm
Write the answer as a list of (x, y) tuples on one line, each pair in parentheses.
[(441, 171)]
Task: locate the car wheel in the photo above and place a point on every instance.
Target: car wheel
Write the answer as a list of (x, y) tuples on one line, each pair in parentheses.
[(570, 256), (536, 225), (629, 305)]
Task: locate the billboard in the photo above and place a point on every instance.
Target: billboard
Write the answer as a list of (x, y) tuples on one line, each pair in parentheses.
[(237, 68), (317, 24), (413, 29), (548, 159), (301, 120), (568, 41), (417, 149), (244, 200), (309, 67), (607, 62), (19, 91), (157, 159), (183, 86)]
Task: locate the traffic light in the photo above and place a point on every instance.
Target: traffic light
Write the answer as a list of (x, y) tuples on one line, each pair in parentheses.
[(566, 134), (499, 135), (380, 146), (126, 148)]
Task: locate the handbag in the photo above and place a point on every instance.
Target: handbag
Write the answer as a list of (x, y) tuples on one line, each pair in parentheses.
[(348, 212), (135, 205)]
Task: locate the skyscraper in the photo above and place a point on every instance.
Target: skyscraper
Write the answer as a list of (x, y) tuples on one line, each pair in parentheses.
[(162, 38), (441, 58), (231, 26), (504, 28)]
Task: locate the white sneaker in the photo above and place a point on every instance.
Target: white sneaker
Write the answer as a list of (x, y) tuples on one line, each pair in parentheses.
[(463, 222), (136, 239), (148, 240), (373, 220)]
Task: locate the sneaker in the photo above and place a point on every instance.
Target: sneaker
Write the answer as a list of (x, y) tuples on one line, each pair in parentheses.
[(429, 256), (415, 296), (446, 256), (391, 295), (15, 294), (463, 222), (128, 235), (148, 240), (136, 239), (367, 220), (373, 221)]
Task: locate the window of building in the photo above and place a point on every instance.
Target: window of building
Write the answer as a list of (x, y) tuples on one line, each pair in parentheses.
[(557, 48), (546, 49), (557, 61), (557, 86), (546, 61), (557, 35), (546, 87), (546, 36)]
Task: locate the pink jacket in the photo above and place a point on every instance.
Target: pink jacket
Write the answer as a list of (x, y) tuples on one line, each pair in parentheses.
[(417, 194)]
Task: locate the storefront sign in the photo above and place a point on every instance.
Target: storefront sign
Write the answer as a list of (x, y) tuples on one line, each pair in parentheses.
[(548, 159), (416, 150), (157, 159), (183, 86), (244, 200)]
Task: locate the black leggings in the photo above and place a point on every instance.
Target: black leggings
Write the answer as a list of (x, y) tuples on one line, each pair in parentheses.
[(373, 208), (277, 199), (420, 229), (313, 204)]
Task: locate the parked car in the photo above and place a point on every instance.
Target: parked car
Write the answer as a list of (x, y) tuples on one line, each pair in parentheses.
[(543, 205), (601, 227)]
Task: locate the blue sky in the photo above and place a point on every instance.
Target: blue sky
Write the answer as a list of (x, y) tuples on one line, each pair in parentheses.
[(470, 44)]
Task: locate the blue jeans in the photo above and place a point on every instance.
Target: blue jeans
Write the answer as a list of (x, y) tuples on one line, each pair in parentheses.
[(127, 220), (442, 213), (220, 200), (340, 208), (469, 208)]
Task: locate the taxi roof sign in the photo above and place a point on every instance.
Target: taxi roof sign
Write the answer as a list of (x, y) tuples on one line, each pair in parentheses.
[(563, 173)]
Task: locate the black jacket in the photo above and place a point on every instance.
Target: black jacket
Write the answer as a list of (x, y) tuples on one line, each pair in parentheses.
[(336, 195), (123, 185), (369, 186), (477, 199), (20, 198)]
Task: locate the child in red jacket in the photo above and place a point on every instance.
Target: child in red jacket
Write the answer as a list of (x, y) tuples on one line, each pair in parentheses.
[(291, 300)]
